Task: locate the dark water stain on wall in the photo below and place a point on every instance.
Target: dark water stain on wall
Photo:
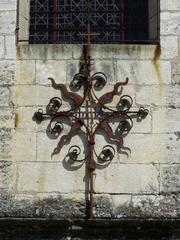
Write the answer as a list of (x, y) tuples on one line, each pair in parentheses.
[(155, 62), (18, 52), (16, 123)]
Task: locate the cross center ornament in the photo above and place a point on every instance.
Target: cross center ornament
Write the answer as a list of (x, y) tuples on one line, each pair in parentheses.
[(92, 114)]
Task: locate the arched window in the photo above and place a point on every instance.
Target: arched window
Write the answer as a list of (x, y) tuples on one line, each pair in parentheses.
[(113, 21)]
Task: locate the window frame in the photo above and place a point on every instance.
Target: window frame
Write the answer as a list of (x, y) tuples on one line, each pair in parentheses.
[(21, 39)]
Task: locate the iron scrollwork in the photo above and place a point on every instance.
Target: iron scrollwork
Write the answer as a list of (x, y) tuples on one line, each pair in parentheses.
[(96, 118)]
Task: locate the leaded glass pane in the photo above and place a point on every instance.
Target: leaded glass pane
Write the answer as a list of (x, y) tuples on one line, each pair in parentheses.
[(112, 21), (65, 21)]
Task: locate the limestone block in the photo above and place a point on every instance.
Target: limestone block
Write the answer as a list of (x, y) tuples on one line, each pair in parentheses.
[(4, 96), (7, 69), (34, 95), (103, 206), (170, 178), (146, 206), (78, 196), (6, 118), (12, 97), (169, 47), (127, 178), (176, 71), (166, 120), (108, 68), (144, 126), (23, 205), (2, 47), (120, 199), (73, 67), (6, 5), (24, 146), (145, 72), (24, 119), (49, 205), (7, 173), (150, 206), (60, 206), (5, 143), (49, 177), (10, 46), (160, 95), (46, 205), (46, 144), (170, 23), (25, 72), (136, 206), (121, 52), (163, 205), (170, 5), (169, 205), (152, 148), (7, 22), (53, 69), (44, 51)]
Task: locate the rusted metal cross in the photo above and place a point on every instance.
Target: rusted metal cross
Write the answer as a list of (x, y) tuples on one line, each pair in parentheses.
[(96, 118)]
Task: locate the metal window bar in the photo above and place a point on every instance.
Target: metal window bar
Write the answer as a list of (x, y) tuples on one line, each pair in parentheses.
[(65, 21)]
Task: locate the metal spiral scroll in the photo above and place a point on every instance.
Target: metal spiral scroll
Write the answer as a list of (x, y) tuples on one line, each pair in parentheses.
[(96, 118)]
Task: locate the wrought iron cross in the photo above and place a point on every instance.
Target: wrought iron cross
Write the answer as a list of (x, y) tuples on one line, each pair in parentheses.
[(95, 118)]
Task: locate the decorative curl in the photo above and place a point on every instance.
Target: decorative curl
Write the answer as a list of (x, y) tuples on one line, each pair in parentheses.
[(54, 105), (38, 116), (107, 154), (125, 125), (56, 128), (78, 81), (125, 103), (100, 79), (74, 152), (142, 113)]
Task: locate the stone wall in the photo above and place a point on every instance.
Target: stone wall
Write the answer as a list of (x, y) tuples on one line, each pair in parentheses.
[(144, 184)]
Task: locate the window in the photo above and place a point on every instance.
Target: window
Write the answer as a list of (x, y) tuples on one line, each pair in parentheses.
[(112, 21)]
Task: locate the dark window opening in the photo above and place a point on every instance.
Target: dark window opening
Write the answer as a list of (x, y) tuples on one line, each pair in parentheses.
[(136, 20), (112, 21)]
